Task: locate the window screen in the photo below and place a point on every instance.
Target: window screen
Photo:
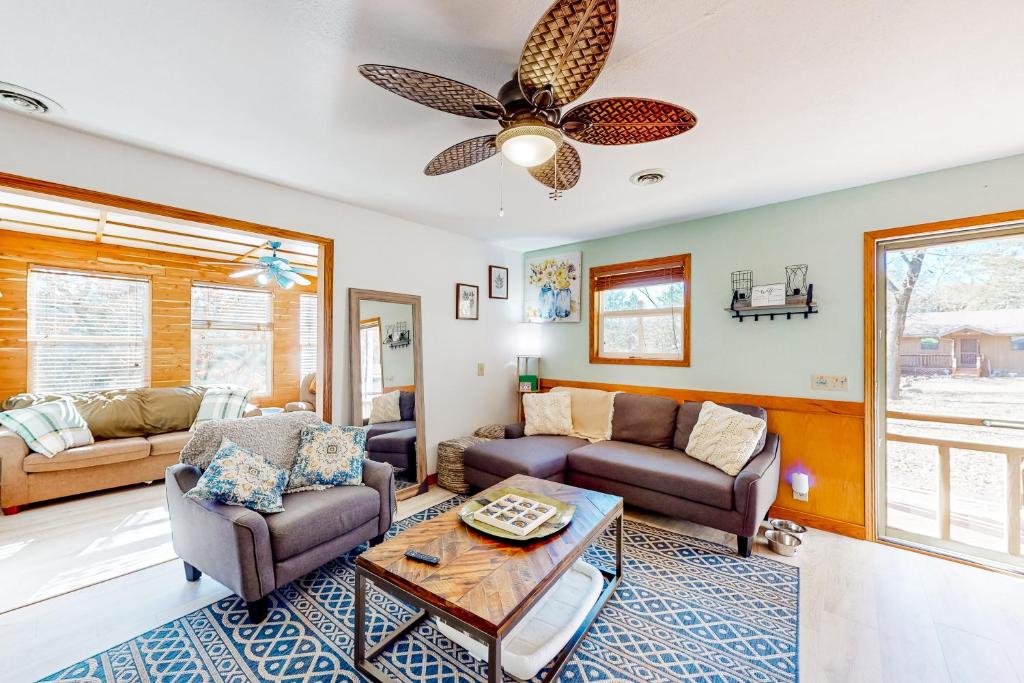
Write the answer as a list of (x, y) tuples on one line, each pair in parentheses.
[(232, 336)]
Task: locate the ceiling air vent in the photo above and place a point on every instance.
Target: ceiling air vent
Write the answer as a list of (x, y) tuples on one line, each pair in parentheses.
[(651, 176), (26, 101)]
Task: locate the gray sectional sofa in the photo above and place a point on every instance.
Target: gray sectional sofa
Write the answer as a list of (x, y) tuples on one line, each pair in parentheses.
[(645, 463), (395, 442)]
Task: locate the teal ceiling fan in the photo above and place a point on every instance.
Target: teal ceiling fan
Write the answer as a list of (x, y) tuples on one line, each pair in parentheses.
[(274, 269)]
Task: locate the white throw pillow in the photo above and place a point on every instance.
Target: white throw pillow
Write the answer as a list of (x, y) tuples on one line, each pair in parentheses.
[(385, 408), (724, 438), (549, 413), (49, 428)]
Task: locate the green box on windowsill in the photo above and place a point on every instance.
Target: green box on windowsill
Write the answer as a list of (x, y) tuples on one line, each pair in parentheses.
[(532, 379)]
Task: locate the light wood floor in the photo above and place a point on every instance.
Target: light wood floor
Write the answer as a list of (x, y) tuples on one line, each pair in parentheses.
[(867, 612)]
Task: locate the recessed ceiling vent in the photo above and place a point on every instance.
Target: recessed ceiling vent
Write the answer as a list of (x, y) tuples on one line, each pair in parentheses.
[(26, 101), (650, 176)]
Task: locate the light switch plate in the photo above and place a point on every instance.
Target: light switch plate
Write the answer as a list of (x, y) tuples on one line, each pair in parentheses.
[(479, 369)]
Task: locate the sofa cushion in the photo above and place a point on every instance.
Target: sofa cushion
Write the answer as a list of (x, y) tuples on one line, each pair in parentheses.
[(99, 453), (388, 427), (165, 444), (238, 476), (407, 405), (48, 428), (386, 408), (658, 469), (170, 409), (689, 412), (402, 441), (536, 456), (314, 517), (646, 420), (329, 455)]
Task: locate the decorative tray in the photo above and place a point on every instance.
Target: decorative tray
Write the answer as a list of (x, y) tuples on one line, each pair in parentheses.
[(517, 515)]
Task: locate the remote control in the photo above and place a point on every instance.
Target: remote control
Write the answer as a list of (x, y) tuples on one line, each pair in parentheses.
[(422, 557)]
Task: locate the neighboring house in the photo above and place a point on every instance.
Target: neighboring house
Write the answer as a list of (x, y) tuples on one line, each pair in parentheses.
[(978, 343)]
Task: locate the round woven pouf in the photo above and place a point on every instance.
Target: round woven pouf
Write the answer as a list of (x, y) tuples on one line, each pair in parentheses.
[(450, 466)]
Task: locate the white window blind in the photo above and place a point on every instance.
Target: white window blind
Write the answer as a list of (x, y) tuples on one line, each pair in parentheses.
[(232, 336), (87, 332), (307, 333)]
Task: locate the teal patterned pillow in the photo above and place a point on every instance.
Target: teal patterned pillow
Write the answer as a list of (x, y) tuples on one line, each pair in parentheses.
[(329, 455), (236, 476)]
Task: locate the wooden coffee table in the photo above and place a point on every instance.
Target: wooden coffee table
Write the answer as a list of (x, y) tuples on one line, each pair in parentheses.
[(484, 586)]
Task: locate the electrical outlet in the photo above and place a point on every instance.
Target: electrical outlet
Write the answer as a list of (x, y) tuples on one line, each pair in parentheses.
[(479, 369), (800, 496), (829, 382)]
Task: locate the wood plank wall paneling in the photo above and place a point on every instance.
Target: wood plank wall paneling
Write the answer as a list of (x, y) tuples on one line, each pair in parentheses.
[(171, 277), (823, 438)]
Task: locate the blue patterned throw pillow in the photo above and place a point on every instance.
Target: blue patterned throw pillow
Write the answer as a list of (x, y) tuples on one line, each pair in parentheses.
[(236, 476), (329, 455)]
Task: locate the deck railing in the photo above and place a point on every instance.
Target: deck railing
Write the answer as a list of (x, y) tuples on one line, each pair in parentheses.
[(1014, 457), (926, 360)]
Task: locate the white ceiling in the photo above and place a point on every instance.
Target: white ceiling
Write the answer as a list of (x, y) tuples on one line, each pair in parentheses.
[(793, 97)]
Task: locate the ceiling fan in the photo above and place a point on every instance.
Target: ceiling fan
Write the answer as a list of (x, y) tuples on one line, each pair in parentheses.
[(272, 268), (561, 59)]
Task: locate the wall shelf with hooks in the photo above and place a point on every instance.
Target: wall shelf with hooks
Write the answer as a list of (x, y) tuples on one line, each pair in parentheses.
[(794, 306)]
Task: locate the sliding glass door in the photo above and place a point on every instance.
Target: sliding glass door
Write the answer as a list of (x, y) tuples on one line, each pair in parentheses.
[(950, 378)]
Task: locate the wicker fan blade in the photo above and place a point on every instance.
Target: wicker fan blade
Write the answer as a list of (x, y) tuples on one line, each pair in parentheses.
[(567, 48), (626, 121), (461, 155), (433, 91), (569, 169)]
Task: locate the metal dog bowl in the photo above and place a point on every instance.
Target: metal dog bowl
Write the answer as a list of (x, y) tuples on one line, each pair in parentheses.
[(787, 526), (783, 543)]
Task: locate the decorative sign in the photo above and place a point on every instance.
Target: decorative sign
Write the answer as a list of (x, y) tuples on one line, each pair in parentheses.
[(768, 295)]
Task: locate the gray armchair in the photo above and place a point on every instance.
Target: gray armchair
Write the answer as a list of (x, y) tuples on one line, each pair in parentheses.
[(254, 554)]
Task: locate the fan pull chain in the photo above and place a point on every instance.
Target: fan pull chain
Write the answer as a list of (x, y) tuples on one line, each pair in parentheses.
[(555, 194), (501, 196)]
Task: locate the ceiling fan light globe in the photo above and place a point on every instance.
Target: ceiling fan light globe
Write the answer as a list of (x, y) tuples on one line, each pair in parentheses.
[(262, 278), (528, 145)]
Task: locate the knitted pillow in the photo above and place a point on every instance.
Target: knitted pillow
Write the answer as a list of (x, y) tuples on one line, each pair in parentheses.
[(549, 413), (386, 408), (240, 477), (724, 437)]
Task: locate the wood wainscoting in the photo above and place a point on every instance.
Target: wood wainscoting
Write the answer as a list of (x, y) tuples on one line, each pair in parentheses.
[(823, 438)]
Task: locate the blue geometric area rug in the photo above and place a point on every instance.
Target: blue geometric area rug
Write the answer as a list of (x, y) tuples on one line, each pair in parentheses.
[(686, 610)]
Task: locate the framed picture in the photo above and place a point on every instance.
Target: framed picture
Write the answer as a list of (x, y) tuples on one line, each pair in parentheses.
[(552, 289), (467, 302), (497, 286)]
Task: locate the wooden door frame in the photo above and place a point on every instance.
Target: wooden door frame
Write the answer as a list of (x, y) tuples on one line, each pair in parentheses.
[(325, 260), (871, 242)]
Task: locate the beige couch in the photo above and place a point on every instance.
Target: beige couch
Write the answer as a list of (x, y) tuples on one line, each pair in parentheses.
[(138, 432), (307, 395)]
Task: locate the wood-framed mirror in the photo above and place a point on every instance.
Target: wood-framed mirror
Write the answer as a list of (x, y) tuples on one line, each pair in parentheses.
[(386, 370)]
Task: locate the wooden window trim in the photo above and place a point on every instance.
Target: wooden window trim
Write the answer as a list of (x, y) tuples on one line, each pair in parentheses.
[(596, 272)]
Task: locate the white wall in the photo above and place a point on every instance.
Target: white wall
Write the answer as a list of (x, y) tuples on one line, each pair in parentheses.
[(398, 366), (826, 232), (420, 260)]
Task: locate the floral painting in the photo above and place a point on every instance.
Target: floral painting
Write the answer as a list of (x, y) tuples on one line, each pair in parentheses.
[(553, 288)]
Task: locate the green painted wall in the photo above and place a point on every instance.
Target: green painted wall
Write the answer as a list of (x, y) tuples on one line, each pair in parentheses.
[(824, 231)]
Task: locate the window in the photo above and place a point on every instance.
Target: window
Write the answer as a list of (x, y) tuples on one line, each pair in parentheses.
[(307, 334), (640, 312), (372, 372), (87, 331), (1017, 343), (232, 336), (929, 344)]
